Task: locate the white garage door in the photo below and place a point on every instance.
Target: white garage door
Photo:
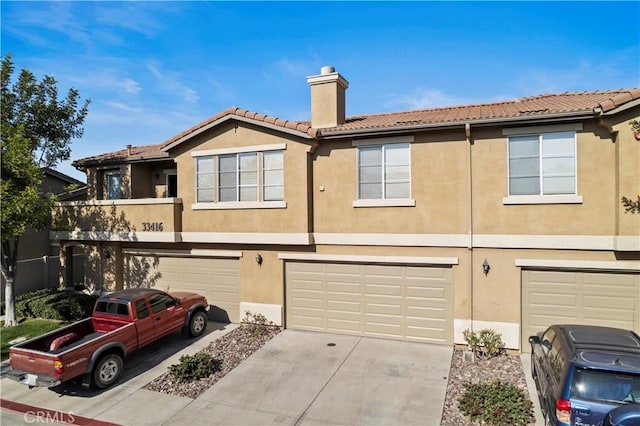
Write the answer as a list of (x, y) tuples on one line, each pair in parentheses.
[(591, 298), (216, 279), (399, 302)]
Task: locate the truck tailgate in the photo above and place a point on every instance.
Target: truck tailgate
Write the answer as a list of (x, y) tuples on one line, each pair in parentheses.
[(33, 368)]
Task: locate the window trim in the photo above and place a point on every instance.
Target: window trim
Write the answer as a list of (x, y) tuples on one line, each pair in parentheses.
[(258, 150), (382, 202), (574, 198)]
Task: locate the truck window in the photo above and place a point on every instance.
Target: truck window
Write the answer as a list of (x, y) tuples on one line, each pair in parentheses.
[(142, 311), (160, 302), (112, 308)]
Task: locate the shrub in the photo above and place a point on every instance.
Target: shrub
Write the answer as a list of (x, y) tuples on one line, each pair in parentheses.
[(195, 367), (496, 403), (486, 344), (51, 303), (256, 324)]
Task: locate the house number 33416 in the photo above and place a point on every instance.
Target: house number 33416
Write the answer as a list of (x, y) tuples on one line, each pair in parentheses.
[(152, 226)]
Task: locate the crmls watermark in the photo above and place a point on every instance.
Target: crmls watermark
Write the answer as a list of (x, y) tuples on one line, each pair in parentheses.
[(46, 416)]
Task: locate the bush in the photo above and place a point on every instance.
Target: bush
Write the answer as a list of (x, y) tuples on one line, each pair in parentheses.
[(496, 403), (487, 344), (195, 367), (50, 303), (256, 324)]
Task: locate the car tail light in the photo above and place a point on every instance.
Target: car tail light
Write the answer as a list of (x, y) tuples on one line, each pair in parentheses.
[(58, 367), (563, 411)]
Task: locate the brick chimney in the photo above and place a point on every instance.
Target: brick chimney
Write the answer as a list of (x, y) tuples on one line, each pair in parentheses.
[(327, 98)]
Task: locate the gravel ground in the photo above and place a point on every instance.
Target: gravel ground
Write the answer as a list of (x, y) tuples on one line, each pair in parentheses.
[(231, 349), (506, 368), (239, 344)]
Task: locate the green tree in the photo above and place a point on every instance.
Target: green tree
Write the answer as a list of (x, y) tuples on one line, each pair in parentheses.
[(36, 131)]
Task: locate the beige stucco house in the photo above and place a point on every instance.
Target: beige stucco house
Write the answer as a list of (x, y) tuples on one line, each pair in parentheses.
[(413, 225)]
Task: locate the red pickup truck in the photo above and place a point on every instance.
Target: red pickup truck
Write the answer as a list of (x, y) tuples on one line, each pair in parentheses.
[(95, 348)]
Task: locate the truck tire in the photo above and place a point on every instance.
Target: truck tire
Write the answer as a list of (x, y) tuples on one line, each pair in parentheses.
[(107, 371), (198, 324)]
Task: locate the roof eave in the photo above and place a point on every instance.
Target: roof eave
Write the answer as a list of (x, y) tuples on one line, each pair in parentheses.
[(624, 107), (565, 116), (229, 117)]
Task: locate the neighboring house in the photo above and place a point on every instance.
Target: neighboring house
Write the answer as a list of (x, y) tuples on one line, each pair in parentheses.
[(412, 225), (38, 263)]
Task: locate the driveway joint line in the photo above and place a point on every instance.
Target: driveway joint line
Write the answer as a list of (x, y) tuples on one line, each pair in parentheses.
[(304, 413)]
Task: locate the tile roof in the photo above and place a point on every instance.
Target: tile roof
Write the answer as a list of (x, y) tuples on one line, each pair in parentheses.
[(138, 153), (528, 107), (243, 113)]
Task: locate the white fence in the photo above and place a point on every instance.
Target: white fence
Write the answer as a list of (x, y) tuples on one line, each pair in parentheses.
[(43, 272)]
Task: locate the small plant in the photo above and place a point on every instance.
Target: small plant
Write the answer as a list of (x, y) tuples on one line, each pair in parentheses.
[(486, 344), (256, 323), (496, 403), (195, 367)]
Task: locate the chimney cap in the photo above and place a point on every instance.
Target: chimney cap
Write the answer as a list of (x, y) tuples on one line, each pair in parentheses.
[(327, 69)]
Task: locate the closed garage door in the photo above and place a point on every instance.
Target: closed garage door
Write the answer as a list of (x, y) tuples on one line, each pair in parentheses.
[(591, 298), (216, 279), (399, 302)]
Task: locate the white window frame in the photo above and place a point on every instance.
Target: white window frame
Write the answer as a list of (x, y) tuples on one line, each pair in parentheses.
[(543, 198), (259, 203), (383, 144)]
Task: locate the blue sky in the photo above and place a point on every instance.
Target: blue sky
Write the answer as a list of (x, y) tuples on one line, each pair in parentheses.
[(153, 69)]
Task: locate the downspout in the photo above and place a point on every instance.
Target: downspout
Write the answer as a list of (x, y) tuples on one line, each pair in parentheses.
[(467, 133), (599, 113)]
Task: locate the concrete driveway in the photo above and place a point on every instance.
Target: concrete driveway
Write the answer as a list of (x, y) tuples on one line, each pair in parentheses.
[(298, 378), (305, 378)]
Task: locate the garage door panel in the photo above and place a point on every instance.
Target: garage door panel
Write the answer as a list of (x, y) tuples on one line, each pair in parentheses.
[(384, 289), (376, 300), (374, 308), (216, 279), (344, 306), (593, 298), (343, 287)]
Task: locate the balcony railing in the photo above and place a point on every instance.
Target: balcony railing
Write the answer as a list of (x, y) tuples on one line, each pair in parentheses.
[(146, 219)]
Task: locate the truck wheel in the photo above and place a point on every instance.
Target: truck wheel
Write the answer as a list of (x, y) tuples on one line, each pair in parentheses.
[(107, 371), (198, 324)]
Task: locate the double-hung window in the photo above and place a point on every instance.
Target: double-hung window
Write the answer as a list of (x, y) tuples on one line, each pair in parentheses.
[(247, 179), (542, 164), (384, 174)]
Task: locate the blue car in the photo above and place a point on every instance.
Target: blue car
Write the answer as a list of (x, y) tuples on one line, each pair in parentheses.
[(584, 372)]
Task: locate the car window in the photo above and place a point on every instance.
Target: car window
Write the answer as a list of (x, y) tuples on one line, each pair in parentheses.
[(547, 340), (556, 360), (160, 302), (605, 386), (112, 308), (142, 310)]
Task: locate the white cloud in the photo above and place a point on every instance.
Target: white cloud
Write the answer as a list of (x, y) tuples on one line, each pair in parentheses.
[(422, 98), (173, 81)]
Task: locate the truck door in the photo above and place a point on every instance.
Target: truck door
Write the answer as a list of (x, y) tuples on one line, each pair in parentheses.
[(168, 315), (145, 323)]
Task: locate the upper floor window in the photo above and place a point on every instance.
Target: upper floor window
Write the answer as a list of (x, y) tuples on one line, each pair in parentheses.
[(242, 179), (114, 185), (543, 164), (384, 172)]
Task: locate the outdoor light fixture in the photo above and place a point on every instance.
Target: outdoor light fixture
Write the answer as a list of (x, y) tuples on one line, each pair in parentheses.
[(259, 259), (486, 267)]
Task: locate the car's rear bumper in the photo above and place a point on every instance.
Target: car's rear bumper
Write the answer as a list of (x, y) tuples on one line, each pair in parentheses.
[(31, 379)]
